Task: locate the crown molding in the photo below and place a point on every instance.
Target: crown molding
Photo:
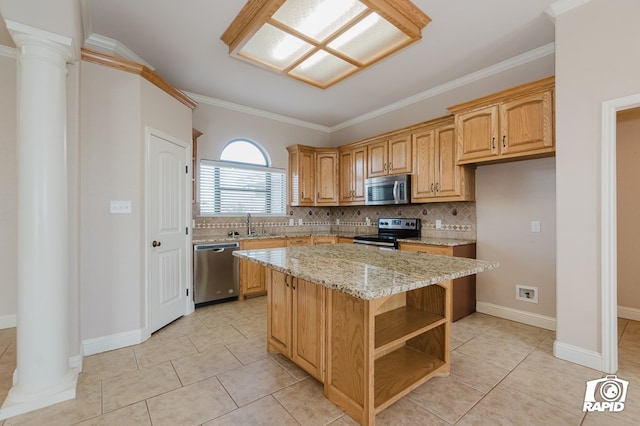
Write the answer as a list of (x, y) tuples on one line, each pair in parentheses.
[(9, 52), (201, 99), (113, 48), (559, 7), (532, 55)]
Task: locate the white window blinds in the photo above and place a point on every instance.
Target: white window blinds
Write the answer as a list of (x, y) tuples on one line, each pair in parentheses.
[(237, 189)]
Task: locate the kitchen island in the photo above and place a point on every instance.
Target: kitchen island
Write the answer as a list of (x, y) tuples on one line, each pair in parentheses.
[(370, 324)]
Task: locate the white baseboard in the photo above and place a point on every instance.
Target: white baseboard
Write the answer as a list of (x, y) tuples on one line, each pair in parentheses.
[(76, 362), (517, 315), (114, 341), (578, 355), (629, 313), (7, 321)]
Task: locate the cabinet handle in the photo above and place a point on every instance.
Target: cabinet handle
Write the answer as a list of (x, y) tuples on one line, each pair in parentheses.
[(493, 143), (504, 143), (384, 167), (302, 194), (293, 286), (437, 187), (286, 283), (431, 190), (318, 195), (390, 167)]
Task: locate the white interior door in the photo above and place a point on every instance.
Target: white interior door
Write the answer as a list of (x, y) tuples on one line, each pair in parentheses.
[(166, 209)]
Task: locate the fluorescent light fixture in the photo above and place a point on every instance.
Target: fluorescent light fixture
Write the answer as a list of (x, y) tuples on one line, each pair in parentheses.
[(321, 42)]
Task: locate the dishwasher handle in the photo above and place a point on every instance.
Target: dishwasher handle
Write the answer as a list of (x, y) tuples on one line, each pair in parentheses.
[(218, 247)]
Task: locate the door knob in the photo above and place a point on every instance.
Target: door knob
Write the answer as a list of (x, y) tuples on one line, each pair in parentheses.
[(156, 244)]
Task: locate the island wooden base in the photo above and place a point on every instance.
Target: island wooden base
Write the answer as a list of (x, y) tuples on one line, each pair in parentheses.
[(368, 353)]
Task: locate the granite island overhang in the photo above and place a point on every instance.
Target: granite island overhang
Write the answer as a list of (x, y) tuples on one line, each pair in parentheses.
[(370, 324)]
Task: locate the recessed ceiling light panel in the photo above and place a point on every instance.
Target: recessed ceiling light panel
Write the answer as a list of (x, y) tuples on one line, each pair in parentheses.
[(322, 42)]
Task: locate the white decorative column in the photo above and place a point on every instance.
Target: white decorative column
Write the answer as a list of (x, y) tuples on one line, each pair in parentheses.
[(42, 376)]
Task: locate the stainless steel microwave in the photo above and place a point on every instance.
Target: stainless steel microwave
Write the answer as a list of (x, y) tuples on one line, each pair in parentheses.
[(388, 190)]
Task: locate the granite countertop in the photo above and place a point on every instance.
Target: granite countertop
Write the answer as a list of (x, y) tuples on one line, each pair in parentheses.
[(450, 242), (363, 271)]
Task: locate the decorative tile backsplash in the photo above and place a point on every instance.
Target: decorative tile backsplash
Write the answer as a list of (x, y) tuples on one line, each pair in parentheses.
[(458, 220)]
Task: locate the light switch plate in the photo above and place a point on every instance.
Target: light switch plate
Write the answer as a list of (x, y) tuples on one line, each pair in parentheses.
[(120, 207), (535, 226)]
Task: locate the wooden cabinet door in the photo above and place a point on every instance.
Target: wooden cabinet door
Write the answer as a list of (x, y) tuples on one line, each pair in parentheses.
[(297, 242), (307, 347), (317, 240), (359, 174), (307, 177), (377, 160), (399, 155), (447, 173), (279, 311), (526, 124), (477, 134), (423, 178), (252, 274), (346, 177), (327, 178)]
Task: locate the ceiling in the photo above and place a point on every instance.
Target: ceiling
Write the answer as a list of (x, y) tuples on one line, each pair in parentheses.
[(181, 40)]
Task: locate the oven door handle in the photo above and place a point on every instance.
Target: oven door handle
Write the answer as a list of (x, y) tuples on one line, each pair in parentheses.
[(396, 192), (374, 243)]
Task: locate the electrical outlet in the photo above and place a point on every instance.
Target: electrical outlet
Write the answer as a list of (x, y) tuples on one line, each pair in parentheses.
[(527, 293), (438, 224), (120, 207)]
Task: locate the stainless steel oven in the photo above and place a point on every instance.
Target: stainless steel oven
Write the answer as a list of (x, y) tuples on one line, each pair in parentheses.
[(389, 230), (388, 190)]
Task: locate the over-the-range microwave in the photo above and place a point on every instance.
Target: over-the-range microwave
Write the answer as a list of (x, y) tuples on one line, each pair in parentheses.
[(388, 190)]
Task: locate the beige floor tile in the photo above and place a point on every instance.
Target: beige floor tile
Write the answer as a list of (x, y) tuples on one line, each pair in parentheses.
[(296, 399), (344, 421), (499, 351), (109, 364), (250, 350), (130, 388), (506, 406), (446, 397), (546, 363), (251, 328), (191, 405), (480, 375), (185, 326), (265, 411), (474, 419), (465, 331), (561, 390), (195, 368), (482, 321), (131, 415), (254, 381), (526, 334), (217, 316), (407, 412), (222, 335), (288, 365), (8, 358), (160, 351), (547, 345), (85, 406)]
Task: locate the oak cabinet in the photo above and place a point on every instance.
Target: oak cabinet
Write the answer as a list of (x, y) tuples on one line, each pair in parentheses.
[(252, 275), (298, 241), (326, 171), (301, 176), (390, 156), (353, 164), (436, 176), (295, 321), (463, 290), (510, 125), (345, 240), (323, 239)]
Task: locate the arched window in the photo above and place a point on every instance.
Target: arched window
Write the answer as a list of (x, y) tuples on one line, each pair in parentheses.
[(241, 182)]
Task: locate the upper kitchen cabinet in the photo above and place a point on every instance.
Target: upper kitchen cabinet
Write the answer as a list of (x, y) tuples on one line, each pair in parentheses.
[(301, 175), (436, 176), (390, 156), (313, 176), (326, 177), (353, 172), (510, 125)]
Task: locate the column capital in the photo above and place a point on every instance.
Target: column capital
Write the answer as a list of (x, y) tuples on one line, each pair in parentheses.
[(25, 36)]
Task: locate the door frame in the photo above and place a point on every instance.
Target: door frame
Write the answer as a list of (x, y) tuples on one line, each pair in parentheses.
[(189, 306), (608, 230)]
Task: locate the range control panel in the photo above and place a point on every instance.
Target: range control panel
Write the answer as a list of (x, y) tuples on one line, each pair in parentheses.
[(397, 223)]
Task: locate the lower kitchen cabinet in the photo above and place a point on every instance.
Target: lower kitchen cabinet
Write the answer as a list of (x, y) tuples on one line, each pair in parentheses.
[(296, 321), (325, 239), (252, 275), (345, 240), (463, 289), (298, 241)]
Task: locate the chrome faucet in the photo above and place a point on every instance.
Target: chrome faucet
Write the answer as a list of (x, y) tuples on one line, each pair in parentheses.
[(249, 231)]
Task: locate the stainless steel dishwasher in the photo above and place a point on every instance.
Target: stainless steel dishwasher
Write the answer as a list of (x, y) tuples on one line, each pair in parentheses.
[(216, 272)]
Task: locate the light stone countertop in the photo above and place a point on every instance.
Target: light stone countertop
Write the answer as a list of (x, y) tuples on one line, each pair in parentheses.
[(363, 271)]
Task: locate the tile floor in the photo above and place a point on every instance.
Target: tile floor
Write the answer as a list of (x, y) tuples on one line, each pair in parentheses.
[(212, 368)]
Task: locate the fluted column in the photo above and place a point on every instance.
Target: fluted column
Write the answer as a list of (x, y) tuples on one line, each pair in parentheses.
[(42, 376)]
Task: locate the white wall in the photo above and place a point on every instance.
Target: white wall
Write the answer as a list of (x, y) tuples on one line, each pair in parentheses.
[(508, 197), (628, 184), (596, 61), (8, 192)]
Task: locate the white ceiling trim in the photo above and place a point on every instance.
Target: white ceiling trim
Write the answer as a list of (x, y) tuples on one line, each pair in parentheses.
[(532, 55), (115, 48), (9, 52), (255, 111), (559, 7)]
